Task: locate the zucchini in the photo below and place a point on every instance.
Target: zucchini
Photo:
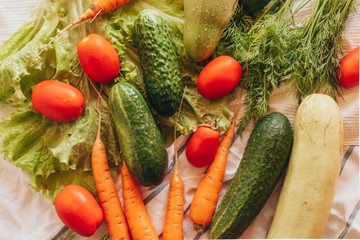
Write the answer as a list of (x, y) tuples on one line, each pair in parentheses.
[(265, 159), (252, 7), (140, 139), (307, 194), (159, 60), (204, 23)]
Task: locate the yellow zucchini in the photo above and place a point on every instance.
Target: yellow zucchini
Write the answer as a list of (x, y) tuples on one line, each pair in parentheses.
[(310, 182)]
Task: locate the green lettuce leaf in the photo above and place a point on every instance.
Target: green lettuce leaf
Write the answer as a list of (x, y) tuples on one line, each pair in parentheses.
[(56, 154)]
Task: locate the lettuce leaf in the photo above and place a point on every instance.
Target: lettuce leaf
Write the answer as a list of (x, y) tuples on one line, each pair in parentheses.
[(56, 154)]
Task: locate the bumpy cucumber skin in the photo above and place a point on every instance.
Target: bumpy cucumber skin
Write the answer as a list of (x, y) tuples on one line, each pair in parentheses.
[(159, 60), (140, 139), (265, 158)]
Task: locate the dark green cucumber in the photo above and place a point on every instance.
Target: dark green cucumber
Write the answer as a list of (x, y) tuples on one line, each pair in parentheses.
[(265, 158), (140, 139), (253, 6), (159, 60)]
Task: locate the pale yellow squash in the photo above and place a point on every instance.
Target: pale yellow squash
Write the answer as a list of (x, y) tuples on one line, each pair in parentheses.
[(309, 187)]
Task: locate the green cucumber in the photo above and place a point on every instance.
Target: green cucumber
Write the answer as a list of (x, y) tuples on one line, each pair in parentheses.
[(160, 62), (204, 24), (253, 6), (140, 139), (265, 158)]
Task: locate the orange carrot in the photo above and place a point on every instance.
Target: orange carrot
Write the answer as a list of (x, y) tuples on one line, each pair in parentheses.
[(173, 224), (174, 215), (97, 8), (206, 196), (109, 199), (138, 219)]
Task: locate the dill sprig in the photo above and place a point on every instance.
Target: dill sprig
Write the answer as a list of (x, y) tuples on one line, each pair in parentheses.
[(275, 50), (263, 53), (233, 37), (317, 49)]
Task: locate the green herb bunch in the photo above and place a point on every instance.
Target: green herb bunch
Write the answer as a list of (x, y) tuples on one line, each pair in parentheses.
[(316, 53), (261, 47), (275, 50)]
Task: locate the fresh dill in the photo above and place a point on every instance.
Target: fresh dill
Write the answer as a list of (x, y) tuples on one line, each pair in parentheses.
[(316, 54), (262, 49), (275, 50)]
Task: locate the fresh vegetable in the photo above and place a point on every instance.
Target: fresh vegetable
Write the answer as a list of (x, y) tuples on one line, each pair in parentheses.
[(57, 100), (202, 146), (219, 77), (308, 190), (204, 23), (348, 72), (78, 210), (174, 216), (98, 58), (160, 62), (264, 160), (97, 8), (139, 221), (173, 223), (65, 147), (140, 139), (205, 200), (106, 190), (253, 7), (278, 52), (262, 46), (315, 55)]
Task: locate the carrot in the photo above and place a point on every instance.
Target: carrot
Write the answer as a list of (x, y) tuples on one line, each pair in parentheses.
[(97, 8), (135, 211), (173, 224), (108, 196), (206, 196)]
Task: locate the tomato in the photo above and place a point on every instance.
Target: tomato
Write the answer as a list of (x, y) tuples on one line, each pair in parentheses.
[(98, 58), (202, 146), (219, 77), (348, 74), (57, 100), (78, 210)]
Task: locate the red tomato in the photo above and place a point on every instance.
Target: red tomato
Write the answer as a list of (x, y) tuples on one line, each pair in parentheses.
[(78, 210), (202, 146), (219, 77), (57, 100), (98, 58), (348, 74)]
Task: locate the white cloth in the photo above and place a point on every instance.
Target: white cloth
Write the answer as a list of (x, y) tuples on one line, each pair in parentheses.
[(26, 215)]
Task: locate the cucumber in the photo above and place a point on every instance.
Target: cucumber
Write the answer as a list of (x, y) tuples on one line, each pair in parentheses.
[(159, 60), (204, 24), (253, 6), (140, 139), (265, 159), (309, 187)]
